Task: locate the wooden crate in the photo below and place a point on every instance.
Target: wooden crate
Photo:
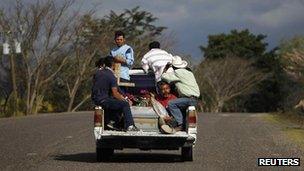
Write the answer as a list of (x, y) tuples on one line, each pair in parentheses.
[(145, 118), (117, 71), (117, 74), (146, 124)]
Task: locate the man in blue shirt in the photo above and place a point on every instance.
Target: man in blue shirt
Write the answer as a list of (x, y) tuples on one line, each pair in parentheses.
[(105, 93), (123, 54)]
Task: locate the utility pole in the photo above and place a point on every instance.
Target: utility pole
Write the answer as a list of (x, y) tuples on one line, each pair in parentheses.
[(15, 93), (6, 51)]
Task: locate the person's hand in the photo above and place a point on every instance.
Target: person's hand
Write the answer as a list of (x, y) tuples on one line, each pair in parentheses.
[(119, 59), (167, 67), (130, 102), (150, 72), (152, 95), (167, 118)]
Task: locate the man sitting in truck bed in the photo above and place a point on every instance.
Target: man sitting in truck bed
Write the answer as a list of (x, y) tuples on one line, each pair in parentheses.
[(105, 93), (165, 95)]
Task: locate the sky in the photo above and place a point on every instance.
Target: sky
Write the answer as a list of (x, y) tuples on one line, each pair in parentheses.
[(191, 21)]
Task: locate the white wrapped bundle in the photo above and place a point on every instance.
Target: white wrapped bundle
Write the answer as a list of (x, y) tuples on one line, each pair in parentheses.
[(159, 108)]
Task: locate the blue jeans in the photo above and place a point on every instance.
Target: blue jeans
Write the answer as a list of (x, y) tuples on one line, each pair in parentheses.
[(118, 106), (178, 105)]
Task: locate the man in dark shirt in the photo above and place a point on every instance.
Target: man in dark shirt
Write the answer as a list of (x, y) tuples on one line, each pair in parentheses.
[(105, 93)]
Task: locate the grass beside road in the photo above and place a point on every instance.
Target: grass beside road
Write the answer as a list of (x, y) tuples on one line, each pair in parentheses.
[(292, 126)]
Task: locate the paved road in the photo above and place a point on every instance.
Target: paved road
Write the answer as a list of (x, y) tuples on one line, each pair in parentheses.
[(65, 142)]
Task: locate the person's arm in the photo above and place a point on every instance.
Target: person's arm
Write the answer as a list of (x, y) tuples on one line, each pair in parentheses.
[(116, 94), (145, 67), (119, 96), (114, 89), (117, 58), (93, 89), (129, 57), (120, 59), (167, 67), (144, 64)]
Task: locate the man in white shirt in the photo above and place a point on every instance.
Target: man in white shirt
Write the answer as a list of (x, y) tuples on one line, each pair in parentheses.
[(156, 59)]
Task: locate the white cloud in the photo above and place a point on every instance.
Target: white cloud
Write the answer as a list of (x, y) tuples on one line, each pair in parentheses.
[(193, 20), (288, 13), (174, 14)]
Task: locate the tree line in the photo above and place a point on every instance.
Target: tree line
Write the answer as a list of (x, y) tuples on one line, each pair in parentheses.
[(239, 74), (60, 46)]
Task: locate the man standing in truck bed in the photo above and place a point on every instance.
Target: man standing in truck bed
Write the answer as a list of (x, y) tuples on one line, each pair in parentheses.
[(156, 59), (124, 55), (105, 93)]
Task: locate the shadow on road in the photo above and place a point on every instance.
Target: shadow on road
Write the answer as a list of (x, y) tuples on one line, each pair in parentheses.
[(122, 158), (79, 157)]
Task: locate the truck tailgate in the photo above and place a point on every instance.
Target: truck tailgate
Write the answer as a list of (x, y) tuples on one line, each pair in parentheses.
[(143, 140), (180, 134)]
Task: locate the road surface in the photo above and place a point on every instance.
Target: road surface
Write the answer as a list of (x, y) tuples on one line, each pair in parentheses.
[(65, 142)]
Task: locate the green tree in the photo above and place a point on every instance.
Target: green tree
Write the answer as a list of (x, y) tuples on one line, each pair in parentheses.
[(289, 46), (94, 38), (139, 28), (292, 57), (268, 94), (239, 43)]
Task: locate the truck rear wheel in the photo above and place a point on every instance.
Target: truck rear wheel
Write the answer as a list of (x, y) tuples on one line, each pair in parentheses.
[(104, 154), (187, 153)]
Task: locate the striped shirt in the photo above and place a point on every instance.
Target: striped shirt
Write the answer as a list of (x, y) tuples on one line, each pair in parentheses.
[(156, 59)]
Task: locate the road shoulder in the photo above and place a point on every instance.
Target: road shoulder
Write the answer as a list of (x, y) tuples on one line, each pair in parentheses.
[(291, 128)]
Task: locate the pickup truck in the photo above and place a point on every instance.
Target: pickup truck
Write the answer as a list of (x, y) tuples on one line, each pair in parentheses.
[(150, 137)]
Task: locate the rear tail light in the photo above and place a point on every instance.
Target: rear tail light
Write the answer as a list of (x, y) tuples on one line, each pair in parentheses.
[(98, 116), (192, 116)]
